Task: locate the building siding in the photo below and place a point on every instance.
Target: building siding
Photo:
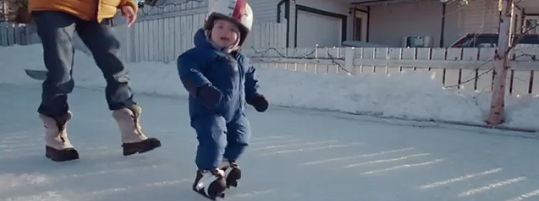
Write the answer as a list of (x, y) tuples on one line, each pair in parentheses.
[(264, 10), (478, 17), (390, 23), (531, 7)]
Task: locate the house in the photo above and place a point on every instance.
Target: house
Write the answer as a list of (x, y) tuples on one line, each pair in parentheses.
[(330, 22)]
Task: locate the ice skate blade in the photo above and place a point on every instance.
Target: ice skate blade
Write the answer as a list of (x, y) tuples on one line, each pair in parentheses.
[(218, 198)]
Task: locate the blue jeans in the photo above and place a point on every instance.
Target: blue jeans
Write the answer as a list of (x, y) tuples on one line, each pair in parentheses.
[(56, 30)]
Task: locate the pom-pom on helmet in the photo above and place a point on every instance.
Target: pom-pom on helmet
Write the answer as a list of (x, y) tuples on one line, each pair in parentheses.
[(236, 11)]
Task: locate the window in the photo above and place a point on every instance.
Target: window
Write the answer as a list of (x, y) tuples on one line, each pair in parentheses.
[(531, 23)]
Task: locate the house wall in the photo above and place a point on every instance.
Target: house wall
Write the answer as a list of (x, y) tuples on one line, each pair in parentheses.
[(264, 10), (389, 23), (333, 6), (530, 7), (532, 10), (267, 11)]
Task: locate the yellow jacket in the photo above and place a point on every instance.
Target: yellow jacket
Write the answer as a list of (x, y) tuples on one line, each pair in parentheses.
[(85, 9)]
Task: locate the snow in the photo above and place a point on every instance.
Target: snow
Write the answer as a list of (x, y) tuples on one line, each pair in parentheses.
[(408, 95), (295, 154)]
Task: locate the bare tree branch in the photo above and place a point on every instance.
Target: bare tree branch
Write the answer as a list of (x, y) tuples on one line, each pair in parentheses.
[(517, 40)]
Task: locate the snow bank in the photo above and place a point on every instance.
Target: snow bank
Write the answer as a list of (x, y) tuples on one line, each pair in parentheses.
[(408, 95)]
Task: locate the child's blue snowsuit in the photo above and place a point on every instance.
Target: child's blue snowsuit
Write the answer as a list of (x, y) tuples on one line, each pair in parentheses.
[(222, 130)]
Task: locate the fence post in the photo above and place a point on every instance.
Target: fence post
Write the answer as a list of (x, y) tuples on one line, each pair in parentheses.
[(349, 58)]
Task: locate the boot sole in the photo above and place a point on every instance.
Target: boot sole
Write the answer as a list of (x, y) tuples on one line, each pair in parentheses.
[(141, 147), (61, 159), (61, 155)]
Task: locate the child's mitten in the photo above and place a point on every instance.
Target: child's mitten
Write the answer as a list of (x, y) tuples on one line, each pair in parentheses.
[(210, 95), (260, 103)]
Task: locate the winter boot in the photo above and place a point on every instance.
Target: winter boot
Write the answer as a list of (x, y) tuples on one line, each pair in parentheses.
[(58, 147), (232, 172), (210, 183), (133, 140)]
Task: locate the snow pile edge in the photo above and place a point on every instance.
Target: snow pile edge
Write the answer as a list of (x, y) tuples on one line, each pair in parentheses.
[(410, 95)]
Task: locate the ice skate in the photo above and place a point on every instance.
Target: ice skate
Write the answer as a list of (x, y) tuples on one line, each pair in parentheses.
[(58, 147), (232, 172), (133, 139), (210, 184)]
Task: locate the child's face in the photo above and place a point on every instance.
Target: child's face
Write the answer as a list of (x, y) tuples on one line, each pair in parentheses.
[(225, 34)]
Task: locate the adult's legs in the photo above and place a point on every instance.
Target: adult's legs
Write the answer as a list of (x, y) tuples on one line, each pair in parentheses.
[(55, 29), (105, 48)]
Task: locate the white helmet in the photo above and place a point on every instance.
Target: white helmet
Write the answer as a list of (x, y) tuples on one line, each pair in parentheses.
[(238, 11)]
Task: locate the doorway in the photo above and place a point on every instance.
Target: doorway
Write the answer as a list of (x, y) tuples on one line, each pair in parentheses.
[(360, 25)]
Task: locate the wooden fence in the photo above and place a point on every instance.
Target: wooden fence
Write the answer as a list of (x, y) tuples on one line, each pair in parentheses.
[(470, 68), (16, 34), (161, 34), (164, 39)]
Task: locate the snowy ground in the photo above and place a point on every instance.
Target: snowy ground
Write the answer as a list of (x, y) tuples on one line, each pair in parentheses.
[(295, 155), (409, 95)]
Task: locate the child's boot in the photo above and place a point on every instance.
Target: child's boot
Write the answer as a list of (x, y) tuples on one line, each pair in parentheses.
[(58, 147), (210, 183), (133, 140), (232, 172)]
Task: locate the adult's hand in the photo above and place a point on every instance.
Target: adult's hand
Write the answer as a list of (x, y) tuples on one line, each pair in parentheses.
[(129, 13)]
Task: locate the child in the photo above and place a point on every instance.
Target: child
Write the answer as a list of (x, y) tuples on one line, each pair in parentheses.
[(220, 81)]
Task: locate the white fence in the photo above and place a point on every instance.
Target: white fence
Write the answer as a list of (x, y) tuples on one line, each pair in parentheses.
[(167, 33), (20, 34), (470, 68), (164, 39)]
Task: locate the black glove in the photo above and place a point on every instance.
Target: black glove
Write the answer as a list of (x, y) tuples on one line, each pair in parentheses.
[(209, 95), (260, 103)]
